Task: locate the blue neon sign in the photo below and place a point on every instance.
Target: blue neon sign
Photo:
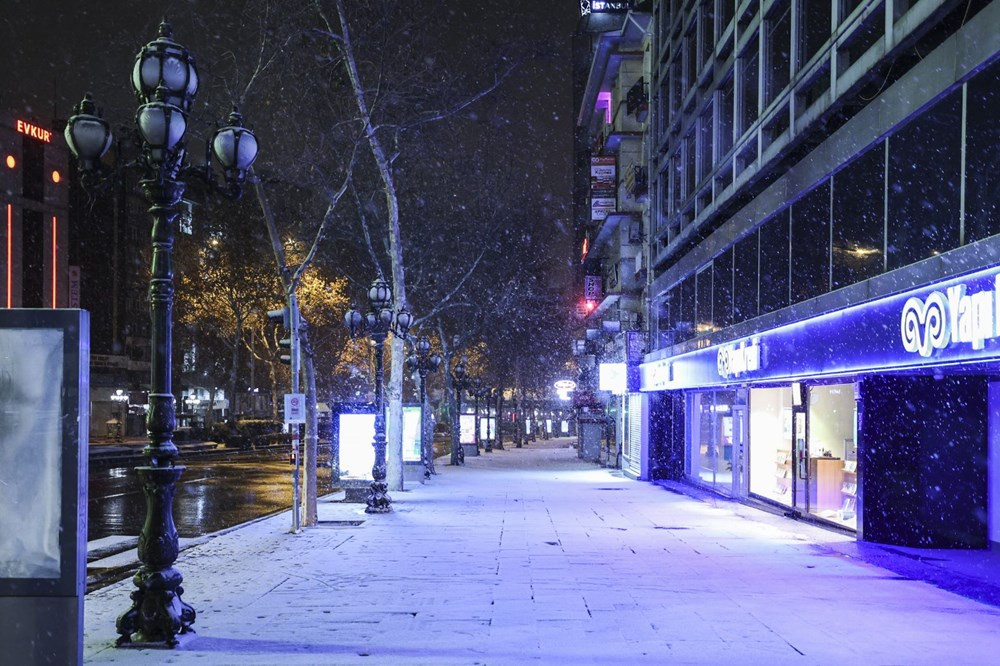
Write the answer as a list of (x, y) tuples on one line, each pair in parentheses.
[(954, 321)]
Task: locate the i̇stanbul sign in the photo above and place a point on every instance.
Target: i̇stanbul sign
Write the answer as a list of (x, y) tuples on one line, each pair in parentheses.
[(951, 322)]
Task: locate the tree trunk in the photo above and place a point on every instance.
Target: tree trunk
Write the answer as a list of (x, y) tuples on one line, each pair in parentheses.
[(394, 417), (233, 370), (272, 372), (312, 425), (394, 449)]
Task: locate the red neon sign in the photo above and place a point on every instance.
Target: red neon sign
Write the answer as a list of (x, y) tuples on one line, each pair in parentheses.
[(34, 131), (10, 256), (55, 283)]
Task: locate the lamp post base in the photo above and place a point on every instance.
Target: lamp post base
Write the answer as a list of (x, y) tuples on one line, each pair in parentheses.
[(158, 614), (378, 498)]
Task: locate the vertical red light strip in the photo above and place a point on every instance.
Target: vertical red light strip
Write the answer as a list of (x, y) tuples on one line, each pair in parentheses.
[(10, 255), (55, 230)]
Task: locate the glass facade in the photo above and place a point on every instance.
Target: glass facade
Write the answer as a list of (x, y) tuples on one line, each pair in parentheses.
[(711, 438), (860, 222), (802, 449), (771, 444)]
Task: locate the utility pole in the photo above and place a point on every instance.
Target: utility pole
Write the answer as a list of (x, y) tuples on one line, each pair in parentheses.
[(288, 316)]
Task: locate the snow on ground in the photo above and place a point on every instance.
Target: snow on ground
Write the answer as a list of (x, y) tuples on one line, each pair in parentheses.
[(532, 556)]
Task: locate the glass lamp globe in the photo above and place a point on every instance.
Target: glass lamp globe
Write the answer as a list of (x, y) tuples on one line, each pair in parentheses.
[(87, 134), (164, 67)]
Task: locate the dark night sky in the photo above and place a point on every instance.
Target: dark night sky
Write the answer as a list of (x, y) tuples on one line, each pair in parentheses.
[(54, 51)]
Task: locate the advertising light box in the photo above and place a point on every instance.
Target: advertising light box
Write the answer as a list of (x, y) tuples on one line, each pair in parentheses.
[(411, 433), (467, 429), (357, 455), (611, 377)]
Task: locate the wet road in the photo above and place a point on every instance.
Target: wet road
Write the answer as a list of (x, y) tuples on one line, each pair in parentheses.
[(211, 495)]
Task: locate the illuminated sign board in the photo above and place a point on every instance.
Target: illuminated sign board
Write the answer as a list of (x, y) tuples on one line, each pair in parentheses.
[(611, 377), (467, 429), (357, 455), (604, 6), (739, 358), (955, 321), (951, 317), (411, 433), (34, 131), (564, 387)]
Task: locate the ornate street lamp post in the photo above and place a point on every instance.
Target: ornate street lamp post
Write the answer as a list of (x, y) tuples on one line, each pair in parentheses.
[(476, 392), (498, 396), (120, 397), (165, 81), (379, 321), (460, 383), (423, 361)]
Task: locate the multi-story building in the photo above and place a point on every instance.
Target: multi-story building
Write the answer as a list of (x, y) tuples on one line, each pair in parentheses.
[(109, 253), (34, 227), (825, 264), (612, 50), (63, 247)]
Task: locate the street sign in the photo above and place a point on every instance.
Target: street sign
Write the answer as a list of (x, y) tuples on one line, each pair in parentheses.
[(295, 408)]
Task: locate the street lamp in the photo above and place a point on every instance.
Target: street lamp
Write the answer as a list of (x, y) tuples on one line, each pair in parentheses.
[(460, 383), (120, 397), (423, 361), (165, 81), (479, 392), (379, 321)]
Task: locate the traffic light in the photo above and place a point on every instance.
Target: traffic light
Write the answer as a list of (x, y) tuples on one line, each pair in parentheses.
[(283, 317), (286, 343)]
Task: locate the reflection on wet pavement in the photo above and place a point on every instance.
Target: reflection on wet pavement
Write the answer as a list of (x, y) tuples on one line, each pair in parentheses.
[(211, 495)]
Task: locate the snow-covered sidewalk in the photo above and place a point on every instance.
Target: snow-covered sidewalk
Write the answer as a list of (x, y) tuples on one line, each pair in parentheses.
[(532, 556)]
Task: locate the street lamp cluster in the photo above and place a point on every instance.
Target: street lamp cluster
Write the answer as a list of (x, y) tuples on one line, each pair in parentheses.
[(165, 81), (380, 320)]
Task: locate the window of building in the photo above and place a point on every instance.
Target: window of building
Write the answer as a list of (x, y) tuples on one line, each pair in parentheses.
[(865, 36), (722, 289), (814, 28), (774, 263), (924, 167), (710, 437), (684, 322), (745, 269), (664, 327), (32, 169), (676, 186), (706, 33), (690, 59), (746, 16), (982, 156), (749, 82), (690, 156), (811, 244), (847, 7), (676, 85), (725, 102), (727, 10), (858, 212), (771, 443), (703, 300), (778, 47), (705, 159)]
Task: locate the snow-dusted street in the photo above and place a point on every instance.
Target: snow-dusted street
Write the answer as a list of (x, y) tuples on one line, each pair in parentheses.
[(532, 556)]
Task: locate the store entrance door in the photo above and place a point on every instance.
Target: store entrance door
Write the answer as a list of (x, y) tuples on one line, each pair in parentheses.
[(800, 450), (739, 450)]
